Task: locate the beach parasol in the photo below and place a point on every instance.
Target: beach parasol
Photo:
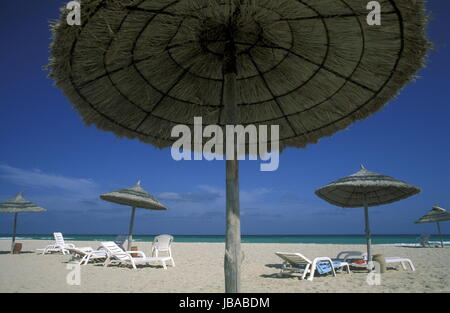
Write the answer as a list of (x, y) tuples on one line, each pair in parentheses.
[(140, 67), (18, 205), (435, 215), (136, 197), (366, 189)]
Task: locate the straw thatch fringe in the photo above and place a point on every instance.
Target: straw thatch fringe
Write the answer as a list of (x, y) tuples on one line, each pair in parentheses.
[(19, 205), (139, 67), (435, 215), (365, 187), (134, 196)]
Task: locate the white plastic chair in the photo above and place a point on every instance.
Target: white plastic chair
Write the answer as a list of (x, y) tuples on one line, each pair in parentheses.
[(293, 261), (162, 243), (117, 255), (423, 241)]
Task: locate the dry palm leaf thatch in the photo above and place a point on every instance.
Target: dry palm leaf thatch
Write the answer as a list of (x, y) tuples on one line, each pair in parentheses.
[(366, 189), (18, 205), (136, 197), (138, 68), (436, 214), (312, 67)]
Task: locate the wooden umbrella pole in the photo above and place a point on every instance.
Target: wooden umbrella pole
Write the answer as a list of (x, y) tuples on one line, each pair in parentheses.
[(130, 232), (368, 235), (440, 235), (14, 233), (232, 262)]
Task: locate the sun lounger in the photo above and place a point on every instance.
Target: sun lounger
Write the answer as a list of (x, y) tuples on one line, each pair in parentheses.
[(59, 246), (87, 254), (402, 261), (117, 255), (423, 241), (359, 259), (298, 263), (122, 241)]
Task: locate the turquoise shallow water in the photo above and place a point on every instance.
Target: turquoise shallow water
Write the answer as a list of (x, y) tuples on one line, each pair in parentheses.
[(320, 239)]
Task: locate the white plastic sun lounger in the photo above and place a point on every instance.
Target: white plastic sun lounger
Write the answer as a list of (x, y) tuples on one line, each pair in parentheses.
[(402, 261), (59, 245), (86, 254), (293, 263), (117, 255), (389, 260)]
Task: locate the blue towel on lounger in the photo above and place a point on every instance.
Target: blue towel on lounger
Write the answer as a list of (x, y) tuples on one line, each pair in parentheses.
[(324, 267)]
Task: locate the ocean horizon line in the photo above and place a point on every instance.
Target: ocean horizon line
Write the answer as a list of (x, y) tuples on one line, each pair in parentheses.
[(217, 235), (391, 239)]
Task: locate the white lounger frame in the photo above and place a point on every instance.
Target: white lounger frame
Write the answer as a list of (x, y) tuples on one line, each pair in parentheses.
[(293, 260), (58, 246), (117, 255), (87, 254), (344, 255)]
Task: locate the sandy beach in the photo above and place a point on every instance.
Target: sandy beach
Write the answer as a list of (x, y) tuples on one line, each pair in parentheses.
[(199, 268)]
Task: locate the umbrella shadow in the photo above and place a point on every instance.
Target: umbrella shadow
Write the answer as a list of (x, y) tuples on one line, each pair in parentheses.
[(277, 266), (280, 276), (128, 266), (276, 275)]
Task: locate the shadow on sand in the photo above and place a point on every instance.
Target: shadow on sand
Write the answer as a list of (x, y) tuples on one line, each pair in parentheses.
[(22, 252)]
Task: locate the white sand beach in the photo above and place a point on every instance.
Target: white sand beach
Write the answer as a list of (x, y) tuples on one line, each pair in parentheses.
[(199, 268)]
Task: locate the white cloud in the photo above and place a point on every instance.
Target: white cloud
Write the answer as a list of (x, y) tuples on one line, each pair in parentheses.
[(38, 179), (189, 196)]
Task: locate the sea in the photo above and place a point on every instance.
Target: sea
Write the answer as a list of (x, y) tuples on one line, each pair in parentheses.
[(301, 239)]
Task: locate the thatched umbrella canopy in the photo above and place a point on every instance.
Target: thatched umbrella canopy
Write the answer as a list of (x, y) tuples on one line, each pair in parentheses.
[(366, 189), (18, 205), (139, 67), (136, 197), (435, 215)]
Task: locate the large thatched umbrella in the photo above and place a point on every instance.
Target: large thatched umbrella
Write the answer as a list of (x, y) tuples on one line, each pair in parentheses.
[(435, 215), (18, 205), (135, 197), (313, 67), (366, 189)]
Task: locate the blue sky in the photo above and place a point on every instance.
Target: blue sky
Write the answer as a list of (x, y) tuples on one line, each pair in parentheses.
[(47, 152)]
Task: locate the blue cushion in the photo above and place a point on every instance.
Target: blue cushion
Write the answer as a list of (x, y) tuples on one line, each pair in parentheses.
[(323, 267)]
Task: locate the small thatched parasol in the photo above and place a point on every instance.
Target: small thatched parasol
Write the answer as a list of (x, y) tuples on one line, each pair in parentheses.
[(366, 189), (136, 197), (18, 205), (435, 215), (140, 67)]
